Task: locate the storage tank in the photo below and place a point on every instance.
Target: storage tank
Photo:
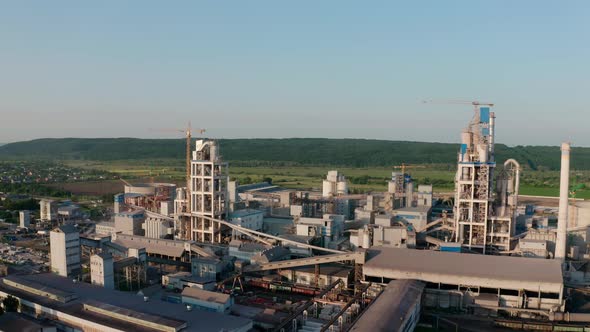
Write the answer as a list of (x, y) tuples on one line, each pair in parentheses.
[(328, 188), (466, 138), (391, 187), (213, 151), (482, 150), (342, 188)]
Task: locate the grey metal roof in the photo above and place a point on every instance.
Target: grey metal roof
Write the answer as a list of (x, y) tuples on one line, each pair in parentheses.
[(391, 309), (152, 246), (205, 295), (13, 322), (198, 320), (472, 269)]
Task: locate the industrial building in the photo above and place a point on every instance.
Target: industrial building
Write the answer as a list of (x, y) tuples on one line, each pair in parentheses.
[(248, 218), (153, 197), (24, 218), (335, 184), (207, 300), (101, 270), (75, 305), (347, 253), (513, 282), (48, 210), (158, 228), (181, 280), (65, 251), (328, 274), (397, 308), (329, 229), (207, 198), (67, 213), (485, 215), (130, 222)]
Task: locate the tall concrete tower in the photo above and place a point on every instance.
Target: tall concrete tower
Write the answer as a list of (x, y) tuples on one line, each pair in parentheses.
[(208, 190), (474, 180), (65, 251), (561, 241)]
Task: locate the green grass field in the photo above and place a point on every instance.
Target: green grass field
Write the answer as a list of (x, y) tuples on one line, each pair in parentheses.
[(536, 183)]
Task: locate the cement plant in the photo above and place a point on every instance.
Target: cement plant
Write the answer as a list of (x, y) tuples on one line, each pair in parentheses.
[(216, 255)]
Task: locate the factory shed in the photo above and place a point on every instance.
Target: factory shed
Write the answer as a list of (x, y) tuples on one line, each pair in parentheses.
[(161, 247), (206, 300), (98, 309), (396, 309), (480, 271)]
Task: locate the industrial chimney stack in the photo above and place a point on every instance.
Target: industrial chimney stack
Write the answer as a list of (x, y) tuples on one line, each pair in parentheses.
[(560, 245)]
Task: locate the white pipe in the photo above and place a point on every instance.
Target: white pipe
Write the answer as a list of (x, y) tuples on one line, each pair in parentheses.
[(492, 134), (516, 164), (560, 246)]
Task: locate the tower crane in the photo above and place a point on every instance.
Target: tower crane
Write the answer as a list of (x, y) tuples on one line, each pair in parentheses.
[(403, 167), (456, 102)]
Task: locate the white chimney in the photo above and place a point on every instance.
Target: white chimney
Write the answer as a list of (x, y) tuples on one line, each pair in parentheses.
[(560, 244)]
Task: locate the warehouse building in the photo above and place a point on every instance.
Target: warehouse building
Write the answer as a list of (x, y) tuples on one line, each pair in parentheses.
[(207, 300), (397, 308), (79, 306), (463, 280)]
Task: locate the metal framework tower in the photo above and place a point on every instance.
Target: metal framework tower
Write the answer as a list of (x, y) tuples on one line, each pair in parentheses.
[(208, 193), (474, 180)]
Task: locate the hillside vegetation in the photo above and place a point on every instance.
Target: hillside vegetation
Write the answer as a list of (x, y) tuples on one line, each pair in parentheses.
[(285, 152)]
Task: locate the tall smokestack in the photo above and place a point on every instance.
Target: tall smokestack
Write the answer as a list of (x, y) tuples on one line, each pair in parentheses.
[(560, 244)]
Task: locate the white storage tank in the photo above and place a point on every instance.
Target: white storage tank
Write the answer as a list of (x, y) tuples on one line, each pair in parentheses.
[(328, 188), (342, 188)]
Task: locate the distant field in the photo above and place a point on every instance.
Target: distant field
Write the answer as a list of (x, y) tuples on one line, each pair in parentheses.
[(535, 183)]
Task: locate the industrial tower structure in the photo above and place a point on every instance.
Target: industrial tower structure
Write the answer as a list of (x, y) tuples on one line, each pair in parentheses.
[(208, 193), (474, 180)]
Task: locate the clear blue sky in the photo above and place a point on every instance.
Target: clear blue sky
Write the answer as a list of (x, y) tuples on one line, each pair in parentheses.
[(294, 69)]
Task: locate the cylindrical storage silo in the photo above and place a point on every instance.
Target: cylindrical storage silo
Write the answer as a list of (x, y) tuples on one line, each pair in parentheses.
[(466, 138), (342, 188), (213, 151), (327, 188), (482, 150)]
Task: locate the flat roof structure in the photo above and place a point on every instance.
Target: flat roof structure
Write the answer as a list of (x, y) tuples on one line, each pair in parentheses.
[(170, 248), (14, 322), (105, 309), (392, 309), (501, 272), (205, 295), (423, 209)]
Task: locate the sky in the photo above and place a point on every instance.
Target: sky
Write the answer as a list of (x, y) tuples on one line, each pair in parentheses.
[(336, 69)]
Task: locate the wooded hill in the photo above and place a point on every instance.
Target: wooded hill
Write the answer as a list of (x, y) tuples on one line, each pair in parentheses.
[(290, 151)]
